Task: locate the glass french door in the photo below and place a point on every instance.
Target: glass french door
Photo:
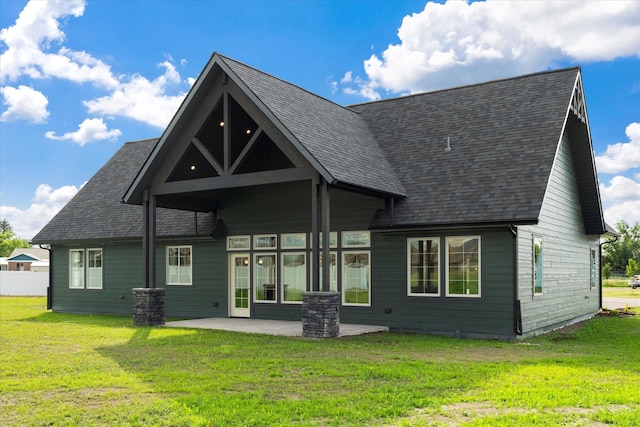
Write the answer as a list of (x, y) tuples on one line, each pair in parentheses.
[(239, 285)]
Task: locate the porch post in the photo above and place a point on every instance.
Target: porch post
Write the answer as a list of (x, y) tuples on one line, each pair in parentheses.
[(321, 309), (326, 237), (315, 236), (148, 301)]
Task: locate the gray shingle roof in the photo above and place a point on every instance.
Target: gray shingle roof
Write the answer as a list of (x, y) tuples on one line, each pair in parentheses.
[(96, 213), (334, 135), (503, 137)]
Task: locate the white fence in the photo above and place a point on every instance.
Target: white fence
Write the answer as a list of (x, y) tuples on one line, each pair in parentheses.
[(24, 283)]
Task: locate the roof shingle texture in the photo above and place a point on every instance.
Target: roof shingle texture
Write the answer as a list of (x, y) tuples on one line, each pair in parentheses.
[(335, 136), (503, 137), (96, 212)]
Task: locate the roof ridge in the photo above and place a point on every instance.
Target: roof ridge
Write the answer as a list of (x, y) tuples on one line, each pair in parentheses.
[(345, 107), (137, 141), (471, 85)]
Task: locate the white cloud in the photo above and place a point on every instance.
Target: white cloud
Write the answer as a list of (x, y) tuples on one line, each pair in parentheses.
[(623, 155), (24, 103), (30, 44), (458, 42), (141, 99), (620, 188), (628, 211), (89, 130), (621, 199), (47, 203)]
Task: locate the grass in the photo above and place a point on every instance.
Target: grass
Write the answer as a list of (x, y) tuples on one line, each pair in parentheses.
[(68, 370), (615, 282), (621, 293)]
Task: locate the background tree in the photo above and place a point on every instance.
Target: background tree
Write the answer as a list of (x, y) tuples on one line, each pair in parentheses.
[(8, 240), (632, 268), (618, 253), (606, 272)]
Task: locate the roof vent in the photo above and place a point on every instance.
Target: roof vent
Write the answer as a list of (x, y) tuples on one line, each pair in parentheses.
[(448, 147)]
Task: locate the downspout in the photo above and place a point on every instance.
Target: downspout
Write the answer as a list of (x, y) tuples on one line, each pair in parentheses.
[(517, 309), (615, 239), (49, 291)]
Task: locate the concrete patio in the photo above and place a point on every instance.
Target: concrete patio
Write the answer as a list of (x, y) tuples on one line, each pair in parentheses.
[(267, 327)]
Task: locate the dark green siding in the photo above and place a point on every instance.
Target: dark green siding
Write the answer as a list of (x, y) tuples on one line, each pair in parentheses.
[(491, 315), (287, 208), (121, 272)]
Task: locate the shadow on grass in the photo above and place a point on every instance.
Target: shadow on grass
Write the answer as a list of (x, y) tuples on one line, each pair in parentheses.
[(83, 319)]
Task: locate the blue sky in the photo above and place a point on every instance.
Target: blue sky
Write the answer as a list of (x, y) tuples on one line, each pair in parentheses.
[(78, 79)]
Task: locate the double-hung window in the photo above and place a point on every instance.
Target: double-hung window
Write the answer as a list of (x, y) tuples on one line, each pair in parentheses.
[(356, 268), (424, 266), (463, 266), (179, 265), (85, 268)]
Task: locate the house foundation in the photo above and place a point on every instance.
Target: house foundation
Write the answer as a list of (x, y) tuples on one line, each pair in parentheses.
[(320, 314), (148, 306)]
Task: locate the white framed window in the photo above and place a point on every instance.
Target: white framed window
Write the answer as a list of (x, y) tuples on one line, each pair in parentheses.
[(463, 266), (333, 271), (293, 241), (294, 275), (85, 268), (265, 241), (238, 243), (423, 266), (265, 269), (537, 254), (179, 265), (94, 268), (356, 239), (356, 278), (594, 270), (76, 268), (333, 240)]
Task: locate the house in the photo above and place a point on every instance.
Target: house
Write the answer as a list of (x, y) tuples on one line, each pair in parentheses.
[(472, 211), (28, 259)]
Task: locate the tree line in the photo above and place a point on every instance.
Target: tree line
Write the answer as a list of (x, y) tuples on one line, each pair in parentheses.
[(8, 240), (622, 255)]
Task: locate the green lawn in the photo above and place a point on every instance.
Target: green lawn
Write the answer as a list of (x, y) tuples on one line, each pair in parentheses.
[(70, 370), (621, 292)]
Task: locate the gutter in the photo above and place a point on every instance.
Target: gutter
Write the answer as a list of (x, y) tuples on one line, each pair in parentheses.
[(49, 292), (517, 309)]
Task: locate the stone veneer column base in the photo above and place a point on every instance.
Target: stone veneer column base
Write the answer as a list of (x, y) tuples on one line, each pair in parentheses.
[(148, 306), (320, 314)]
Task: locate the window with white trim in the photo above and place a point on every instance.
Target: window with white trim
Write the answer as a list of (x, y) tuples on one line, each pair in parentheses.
[(264, 277), (333, 271), (423, 277), (356, 278), (537, 264), (594, 270), (238, 243), (463, 266), (179, 265), (356, 239), (76, 268), (265, 241), (294, 276), (94, 269), (85, 268)]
